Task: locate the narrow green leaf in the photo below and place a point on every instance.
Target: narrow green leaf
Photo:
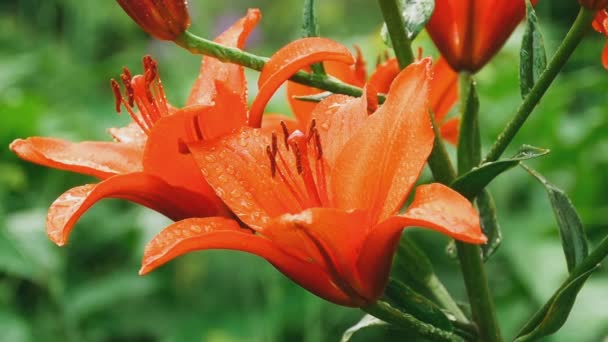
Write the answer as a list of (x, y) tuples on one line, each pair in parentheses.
[(416, 14), (572, 232), (533, 58), (556, 311), (469, 144), (474, 181), (367, 321), (489, 223), (405, 299)]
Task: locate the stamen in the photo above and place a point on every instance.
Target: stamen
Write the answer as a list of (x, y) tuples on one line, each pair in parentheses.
[(420, 52), (273, 161), (298, 157), (318, 145), (285, 134), (126, 80), (117, 95), (312, 129), (275, 145)]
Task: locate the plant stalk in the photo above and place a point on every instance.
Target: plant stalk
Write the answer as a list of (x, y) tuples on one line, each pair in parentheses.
[(563, 53), (402, 45)]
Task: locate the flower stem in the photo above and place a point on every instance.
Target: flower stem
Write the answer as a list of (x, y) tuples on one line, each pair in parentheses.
[(470, 256), (202, 46), (563, 53), (391, 315), (402, 45)]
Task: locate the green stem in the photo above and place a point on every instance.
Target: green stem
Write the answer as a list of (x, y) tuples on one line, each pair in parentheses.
[(391, 315), (198, 45), (471, 256), (402, 45), (310, 28), (563, 53), (591, 261)]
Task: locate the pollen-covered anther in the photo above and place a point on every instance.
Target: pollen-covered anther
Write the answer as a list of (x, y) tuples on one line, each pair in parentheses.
[(117, 95), (285, 134)]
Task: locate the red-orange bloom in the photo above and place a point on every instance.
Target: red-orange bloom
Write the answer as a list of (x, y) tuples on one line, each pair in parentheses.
[(322, 207), (144, 163), (594, 4), (600, 24), (162, 19), (443, 92), (468, 33)]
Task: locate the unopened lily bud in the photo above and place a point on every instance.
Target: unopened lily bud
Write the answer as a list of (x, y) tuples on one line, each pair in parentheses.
[(594, 4), (163, 19)]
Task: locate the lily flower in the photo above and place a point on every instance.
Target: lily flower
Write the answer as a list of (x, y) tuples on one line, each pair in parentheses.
[(600, 24), (323, 206), (162, 19), (144, 163), (443, 92), (468, 33)]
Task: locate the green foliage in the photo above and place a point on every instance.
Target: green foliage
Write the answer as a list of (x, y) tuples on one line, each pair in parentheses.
[(54, 65), (533, 58)]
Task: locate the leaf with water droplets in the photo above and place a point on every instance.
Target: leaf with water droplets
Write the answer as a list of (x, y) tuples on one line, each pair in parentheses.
[(472, 182)]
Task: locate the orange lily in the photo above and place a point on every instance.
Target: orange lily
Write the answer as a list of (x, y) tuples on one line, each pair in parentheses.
[(162, 19), (600, 24), (322, 207), (443, 93), (468, 33), (144, 163)]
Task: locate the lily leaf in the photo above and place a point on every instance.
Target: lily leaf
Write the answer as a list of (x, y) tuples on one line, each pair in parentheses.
[(367, 321), (489, 223), (473, 182), (556, 311), (574, 240), (469, 144), (533, 58), (416, 14)]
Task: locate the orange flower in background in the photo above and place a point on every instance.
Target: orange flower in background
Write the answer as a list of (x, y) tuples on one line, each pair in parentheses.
[(162, 19), (594, 4), (443, 93), (600, 24), (468, 33), (144, 163), (323, 207)]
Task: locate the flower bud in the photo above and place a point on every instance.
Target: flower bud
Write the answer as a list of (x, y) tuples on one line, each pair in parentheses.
[(163, 19), (594, 4)]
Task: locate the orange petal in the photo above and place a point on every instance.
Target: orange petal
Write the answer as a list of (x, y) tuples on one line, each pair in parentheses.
[(162, 156), (130, 134), (330, 238), (435, 206), (449, 131), (137, 187), (228, 114), (379, 164), (341, 71), (338, 118), (444, 89), (212, 70), (287, 61), (605, 56), (384, 75), (238, 168), (218, 233), (95, 158)]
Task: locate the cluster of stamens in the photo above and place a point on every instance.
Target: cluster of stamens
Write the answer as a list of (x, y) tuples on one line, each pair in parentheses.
[(309, 186), (146, 91)]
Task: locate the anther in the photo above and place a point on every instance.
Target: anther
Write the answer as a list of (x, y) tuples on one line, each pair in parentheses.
[(275, 145), (298, 157), (420, 52), (117, 95), (273, 163), (312, 129), (318, 145), (126, 80), (285, 134)]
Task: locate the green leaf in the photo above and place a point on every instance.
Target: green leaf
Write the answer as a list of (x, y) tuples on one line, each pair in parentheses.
[(469, 144), (410, 265), (471, 183), (556, 310), (489, 223), (533, 58), (572, 232), (416, 14), (367, 321), (405, 299)]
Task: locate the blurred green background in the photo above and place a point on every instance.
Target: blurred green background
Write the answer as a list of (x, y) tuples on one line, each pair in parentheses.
[(56, 58)]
